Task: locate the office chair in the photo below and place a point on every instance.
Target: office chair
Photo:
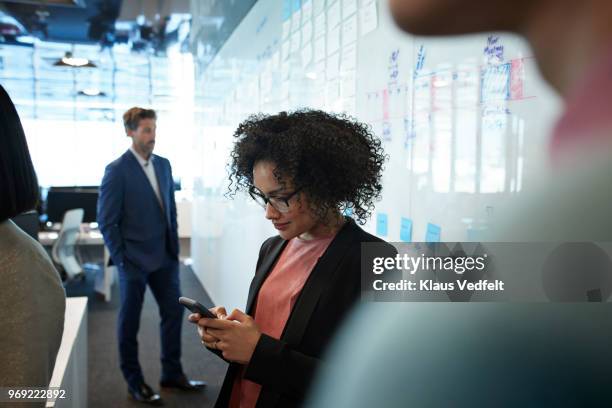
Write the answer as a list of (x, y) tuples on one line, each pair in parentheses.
[(64, 248)]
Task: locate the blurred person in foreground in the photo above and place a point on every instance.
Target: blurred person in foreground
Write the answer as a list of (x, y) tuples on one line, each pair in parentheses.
[(32, 298), (469, 355)]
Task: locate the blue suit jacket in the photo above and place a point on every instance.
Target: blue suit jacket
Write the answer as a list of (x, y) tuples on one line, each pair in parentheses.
[(134, 226)]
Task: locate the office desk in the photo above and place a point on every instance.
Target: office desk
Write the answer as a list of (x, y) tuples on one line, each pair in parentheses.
[(103, 283), (70, 370), (92, 237)]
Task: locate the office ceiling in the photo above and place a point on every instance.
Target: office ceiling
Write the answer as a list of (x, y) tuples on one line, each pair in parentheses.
[(82, 21), (122, 38)]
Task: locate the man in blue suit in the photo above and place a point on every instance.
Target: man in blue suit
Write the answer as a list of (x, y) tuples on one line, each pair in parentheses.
[(137, 217)]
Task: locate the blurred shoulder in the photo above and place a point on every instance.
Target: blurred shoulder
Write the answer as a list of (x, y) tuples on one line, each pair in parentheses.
[(23, 260)]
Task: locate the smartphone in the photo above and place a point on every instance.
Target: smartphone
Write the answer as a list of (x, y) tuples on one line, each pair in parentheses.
[(196, 307)]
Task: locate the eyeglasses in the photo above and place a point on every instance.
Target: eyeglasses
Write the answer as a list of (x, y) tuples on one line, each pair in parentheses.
[(280, 204)]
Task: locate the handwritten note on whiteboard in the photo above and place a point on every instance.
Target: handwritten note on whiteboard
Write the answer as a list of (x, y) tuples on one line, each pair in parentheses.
[(348, 61), (319, 48), (307, 54), (349, 30), (306, 10), (348, 84), (320, 25), (296, 21), (318, 6), (333, 40), (369, 18), (296, 42), (349, 7), (307, 31), (333, 66), (333, 15)]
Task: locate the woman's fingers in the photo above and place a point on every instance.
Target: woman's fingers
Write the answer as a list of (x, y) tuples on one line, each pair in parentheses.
[(209, 338), (219, 324), (194, 317), (218, 311)]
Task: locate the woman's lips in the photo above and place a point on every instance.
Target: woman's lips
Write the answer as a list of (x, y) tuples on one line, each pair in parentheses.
[(281, 226)]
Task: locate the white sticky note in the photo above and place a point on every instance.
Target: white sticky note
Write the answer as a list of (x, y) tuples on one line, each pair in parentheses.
[(319, 48), (320, 71), (275, 60), (296, 41), (318, 7), (285, 70), (285, 90), (319, 27), (306, 54), (319, 98), (348, 59), (349, 30), (348, 84), (332, 92), (286, 29), (349, 105), (296, 21), (333, 40), (369, 18), (307, 31), (333, 15), (333, 66), (307, 10), (349, 7), (286, 47), (263, 82)]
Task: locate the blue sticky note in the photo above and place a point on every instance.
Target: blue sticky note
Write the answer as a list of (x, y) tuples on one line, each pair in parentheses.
[(433, 233), (406, 230), (382, 224), (476, 235), (296, 5), (287, 5)]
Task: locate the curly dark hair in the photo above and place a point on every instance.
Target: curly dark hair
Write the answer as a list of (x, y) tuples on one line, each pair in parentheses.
[(336, 161)]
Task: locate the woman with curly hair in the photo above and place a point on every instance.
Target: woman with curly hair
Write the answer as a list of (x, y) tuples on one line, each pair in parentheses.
[(305, 169)]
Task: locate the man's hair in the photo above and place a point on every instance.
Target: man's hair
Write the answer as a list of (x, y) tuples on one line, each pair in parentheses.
[(133, 116), (18, 183)]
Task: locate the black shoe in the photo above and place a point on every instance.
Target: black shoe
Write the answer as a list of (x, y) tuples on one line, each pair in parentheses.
[(145, 394), (184, 384)]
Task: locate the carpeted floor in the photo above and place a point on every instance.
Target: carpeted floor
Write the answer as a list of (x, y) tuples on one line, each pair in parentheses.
[(106, 385)]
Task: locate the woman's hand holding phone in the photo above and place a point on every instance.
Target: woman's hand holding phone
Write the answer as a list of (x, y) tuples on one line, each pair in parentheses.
[(235, 335), (207, 339)]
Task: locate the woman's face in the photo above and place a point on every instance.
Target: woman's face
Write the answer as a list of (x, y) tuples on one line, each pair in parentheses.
[(298, 219)]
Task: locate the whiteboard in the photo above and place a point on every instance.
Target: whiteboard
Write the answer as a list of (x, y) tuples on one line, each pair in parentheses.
[(465, 122)]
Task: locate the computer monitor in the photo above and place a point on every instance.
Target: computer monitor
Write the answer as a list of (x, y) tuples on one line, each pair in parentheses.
[(61, 199), (28, 222)]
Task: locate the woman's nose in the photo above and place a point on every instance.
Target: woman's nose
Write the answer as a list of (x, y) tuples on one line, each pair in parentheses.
[(271, 212)]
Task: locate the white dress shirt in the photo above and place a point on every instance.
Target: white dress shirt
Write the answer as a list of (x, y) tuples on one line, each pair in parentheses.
[(149, 170)]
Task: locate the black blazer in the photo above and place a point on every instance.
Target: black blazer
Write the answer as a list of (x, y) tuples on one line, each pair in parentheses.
[(284, 368)]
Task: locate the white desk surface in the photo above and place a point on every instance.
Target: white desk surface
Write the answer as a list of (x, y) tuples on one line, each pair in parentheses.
[(76, 311), (92, 237)]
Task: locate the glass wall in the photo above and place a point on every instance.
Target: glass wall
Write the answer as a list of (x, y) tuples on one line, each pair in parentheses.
[(72, 136)]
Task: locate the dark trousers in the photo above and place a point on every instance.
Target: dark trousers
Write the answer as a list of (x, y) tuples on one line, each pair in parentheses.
[(165, 285)]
